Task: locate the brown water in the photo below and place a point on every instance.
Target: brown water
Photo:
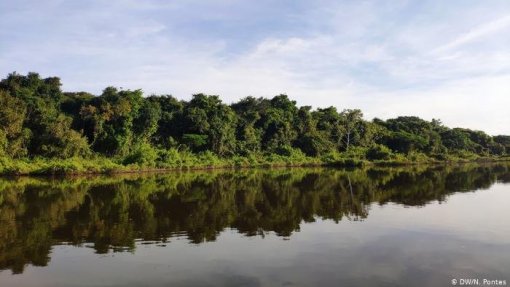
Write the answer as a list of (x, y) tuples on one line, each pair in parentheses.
[(298, 227)]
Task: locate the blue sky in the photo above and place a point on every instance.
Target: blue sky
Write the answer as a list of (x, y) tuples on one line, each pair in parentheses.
[(435, 59)]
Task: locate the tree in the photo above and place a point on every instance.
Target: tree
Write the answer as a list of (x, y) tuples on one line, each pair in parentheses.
[(405, 142), (277, 122), (145, 123), (310, 140), (207, 115), (109, 121), (412, 133), (504, 141), (329, 123), (457, 139), (38, 119), (63, 142), (351, 123), (195, 142), (378, 152), (12, 116), (170, 126), (249, 137), (47, 132)]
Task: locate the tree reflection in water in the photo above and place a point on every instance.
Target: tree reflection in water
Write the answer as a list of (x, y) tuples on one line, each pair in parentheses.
[(111, 213)]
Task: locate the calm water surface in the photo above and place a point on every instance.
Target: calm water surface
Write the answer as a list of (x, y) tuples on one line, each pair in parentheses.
[(298, 227)]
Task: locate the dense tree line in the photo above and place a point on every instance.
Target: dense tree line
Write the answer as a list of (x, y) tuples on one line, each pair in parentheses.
[(110, 213), (38, 119)]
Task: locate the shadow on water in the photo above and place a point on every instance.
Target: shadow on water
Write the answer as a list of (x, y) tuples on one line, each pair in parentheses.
[(111, 214)]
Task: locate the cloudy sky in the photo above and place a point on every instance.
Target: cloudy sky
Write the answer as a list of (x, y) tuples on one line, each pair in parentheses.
[(435, 59)]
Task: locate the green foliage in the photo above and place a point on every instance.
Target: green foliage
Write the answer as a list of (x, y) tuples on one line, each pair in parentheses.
[(248, 134), (143, 155), (64, 142), (457, 139), (355, 152), (207, 115), (3, 144), (111, 213), (406, 142), (145, 123), (195, 141), (314, 144), (277, 123), (32, 119), (38, 120), (378, 152), (289, 151), (12, 116), (352, 126), (412, 134), (40, 166), (170, 125), (503, 141), (113, 122)]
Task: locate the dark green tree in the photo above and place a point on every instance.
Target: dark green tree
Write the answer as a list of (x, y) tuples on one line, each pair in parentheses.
[(207, 115)]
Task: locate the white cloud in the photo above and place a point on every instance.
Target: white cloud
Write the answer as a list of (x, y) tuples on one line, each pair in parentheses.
[(349, 54), (476, 34), (477, 103)]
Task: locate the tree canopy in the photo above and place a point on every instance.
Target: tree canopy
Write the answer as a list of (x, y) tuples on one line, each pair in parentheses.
[(38, 119)]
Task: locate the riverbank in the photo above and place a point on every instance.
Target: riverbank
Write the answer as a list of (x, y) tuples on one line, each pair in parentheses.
[(101, 165)]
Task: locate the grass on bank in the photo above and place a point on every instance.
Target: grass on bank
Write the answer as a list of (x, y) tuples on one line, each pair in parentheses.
[(147, 158)]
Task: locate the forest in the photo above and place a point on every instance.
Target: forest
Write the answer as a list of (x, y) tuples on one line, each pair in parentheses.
[(46, 130)]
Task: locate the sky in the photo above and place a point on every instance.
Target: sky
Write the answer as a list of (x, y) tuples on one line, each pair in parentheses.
[(433, 59)]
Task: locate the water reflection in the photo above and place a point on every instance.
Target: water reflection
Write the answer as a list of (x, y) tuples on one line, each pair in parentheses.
[(112, 213)]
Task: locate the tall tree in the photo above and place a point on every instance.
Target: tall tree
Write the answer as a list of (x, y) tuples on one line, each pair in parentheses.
[(351, 122), (248, 111), (277, 122), (207, 115), (170, 126), (12, 116), (109, 120), (51, 134)]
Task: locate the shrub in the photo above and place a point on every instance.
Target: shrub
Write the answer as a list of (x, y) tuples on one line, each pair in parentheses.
[(143, 155), (355, 152), (440, 156), (331, 157), (208, 158), (3, 143), (196, 142), (415, 156), (378, 152)]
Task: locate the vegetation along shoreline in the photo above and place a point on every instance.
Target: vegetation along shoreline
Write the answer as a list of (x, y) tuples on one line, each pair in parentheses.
[(44, 130)]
